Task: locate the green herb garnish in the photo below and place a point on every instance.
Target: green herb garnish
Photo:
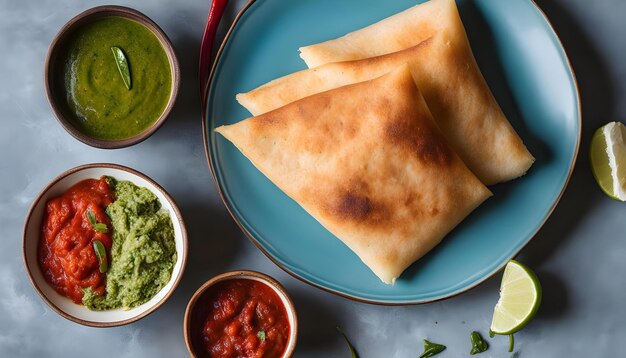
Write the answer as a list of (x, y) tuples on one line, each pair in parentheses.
[(352, 349), (110, 182), (431, 349), (478, 344), (511, 343), (261, 335), (99, 227), (491, 334), (122, 65), (101, 254)]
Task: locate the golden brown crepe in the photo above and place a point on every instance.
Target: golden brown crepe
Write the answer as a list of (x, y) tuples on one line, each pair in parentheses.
[(398, 32), (370, 164), (446, 73)]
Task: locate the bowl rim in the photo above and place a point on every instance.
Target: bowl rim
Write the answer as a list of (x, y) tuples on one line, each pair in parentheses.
[(77, 21), (250, 275), (97, 324)]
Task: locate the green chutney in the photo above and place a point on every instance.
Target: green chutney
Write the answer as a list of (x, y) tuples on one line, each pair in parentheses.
[(143, 254), (96, 98)]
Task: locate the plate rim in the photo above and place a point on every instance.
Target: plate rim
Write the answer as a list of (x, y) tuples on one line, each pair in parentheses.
[(227, 204)]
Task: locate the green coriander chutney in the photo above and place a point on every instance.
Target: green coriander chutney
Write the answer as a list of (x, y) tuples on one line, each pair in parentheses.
[(96, 98), (143, 254)]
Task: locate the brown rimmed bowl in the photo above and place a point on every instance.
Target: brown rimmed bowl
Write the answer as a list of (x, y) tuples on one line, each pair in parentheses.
[(32, 234), (197, 311), (50, 73)]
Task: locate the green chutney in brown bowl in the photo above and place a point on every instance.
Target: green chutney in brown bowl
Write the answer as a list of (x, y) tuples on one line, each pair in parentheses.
[(111, 79)]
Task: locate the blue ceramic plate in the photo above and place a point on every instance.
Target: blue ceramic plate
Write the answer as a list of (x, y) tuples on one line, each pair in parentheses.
[(525, 66)]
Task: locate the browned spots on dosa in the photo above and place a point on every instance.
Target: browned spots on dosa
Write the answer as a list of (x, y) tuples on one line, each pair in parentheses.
[(353, 207), (378, 213), (355, 204), (421, 138), (266, 120)]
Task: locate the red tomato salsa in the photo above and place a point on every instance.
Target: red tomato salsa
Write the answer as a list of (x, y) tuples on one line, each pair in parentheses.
[(66, 254), (246, 319)]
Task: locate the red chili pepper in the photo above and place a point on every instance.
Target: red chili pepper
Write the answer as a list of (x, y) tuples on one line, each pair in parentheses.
[(206, 49)]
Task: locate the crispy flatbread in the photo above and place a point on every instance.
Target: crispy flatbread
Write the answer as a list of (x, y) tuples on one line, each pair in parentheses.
[(370, 164), (446, 73), (398, 32)]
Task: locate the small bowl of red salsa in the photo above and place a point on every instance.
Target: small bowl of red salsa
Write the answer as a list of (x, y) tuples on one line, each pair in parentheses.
[(241, 314)]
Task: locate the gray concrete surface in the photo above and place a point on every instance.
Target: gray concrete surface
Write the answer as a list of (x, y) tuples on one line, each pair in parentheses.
[(580, 254)]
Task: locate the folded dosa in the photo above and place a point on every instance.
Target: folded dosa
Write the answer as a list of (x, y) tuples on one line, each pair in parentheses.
[(398, 32), (446, 73), (370, 164)]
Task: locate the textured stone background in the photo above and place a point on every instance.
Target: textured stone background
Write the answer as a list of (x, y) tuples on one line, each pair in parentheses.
[(580, 254)]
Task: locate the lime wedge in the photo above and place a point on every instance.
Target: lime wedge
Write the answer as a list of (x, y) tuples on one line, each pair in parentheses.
[(608, 159), (520, 296)]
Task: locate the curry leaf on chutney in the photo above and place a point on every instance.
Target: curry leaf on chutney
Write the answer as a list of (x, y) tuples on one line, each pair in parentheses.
[(101, 254), (122, 65), (99, 227)]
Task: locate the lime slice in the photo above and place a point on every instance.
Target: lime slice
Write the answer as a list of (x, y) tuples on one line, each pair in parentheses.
[(520, 296), (608, 159)]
